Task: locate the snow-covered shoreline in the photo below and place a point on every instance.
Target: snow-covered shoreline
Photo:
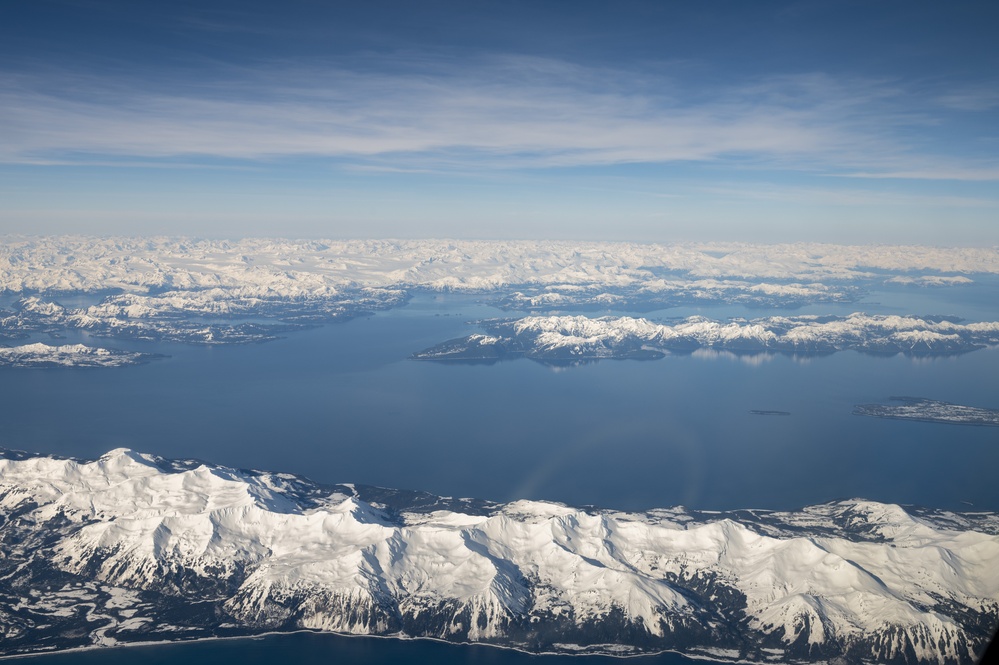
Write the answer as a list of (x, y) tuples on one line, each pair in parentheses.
[(697, 656)]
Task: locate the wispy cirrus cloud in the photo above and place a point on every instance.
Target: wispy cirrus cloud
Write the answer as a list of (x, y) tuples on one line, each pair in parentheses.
[(497, 113)]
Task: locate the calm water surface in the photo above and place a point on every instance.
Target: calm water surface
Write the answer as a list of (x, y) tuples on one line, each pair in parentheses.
[(343, 403)]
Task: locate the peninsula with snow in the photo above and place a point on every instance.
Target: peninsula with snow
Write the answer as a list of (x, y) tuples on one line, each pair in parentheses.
[(69, 355), (132, 547), (560, 339)]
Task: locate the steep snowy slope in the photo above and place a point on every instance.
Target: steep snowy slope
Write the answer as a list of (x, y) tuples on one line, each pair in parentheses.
[(133, 547)]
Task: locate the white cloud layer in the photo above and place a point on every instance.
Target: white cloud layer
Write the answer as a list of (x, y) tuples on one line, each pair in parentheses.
[(500, 113)]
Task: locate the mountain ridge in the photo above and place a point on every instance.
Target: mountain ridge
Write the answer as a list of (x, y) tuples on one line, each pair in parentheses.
[(209, 550)]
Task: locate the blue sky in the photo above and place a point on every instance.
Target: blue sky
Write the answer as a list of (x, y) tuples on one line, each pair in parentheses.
[(651, 121)]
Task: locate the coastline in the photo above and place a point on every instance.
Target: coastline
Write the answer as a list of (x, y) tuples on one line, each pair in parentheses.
[(393, 637)]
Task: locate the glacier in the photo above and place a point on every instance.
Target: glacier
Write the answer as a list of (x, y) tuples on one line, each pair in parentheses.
[(132, 547)]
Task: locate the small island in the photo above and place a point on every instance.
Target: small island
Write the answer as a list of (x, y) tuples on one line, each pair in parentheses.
[(930, 411)]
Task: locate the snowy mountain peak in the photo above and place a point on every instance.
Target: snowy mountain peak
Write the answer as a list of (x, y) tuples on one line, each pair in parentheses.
[(126, 456)]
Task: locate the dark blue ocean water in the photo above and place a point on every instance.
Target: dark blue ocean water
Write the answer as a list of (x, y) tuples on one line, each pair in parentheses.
[(343, 403)]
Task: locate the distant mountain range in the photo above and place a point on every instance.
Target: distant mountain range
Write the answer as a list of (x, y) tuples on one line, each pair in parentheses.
[(257, 290), (264, 267)]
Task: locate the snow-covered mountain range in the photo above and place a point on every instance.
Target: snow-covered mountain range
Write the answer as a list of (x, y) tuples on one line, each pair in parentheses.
[(254, 290), (300, 267), (571, 338), (132, 547)]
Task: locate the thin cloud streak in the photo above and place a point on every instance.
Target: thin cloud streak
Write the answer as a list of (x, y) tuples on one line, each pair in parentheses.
[(984, 174), (971, 99), (501, 114), (842, 197)]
